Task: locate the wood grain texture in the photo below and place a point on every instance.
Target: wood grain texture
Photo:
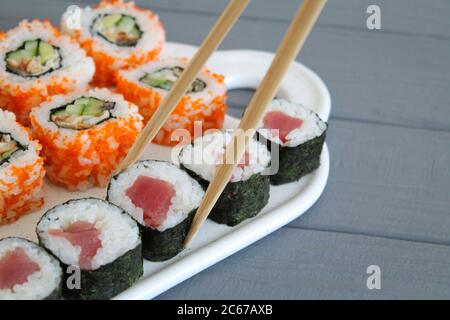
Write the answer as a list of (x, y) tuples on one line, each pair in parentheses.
[(302, 264)]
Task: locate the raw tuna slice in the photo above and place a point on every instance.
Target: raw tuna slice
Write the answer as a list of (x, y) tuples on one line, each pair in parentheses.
[(84, 235), (284, 123), (154, 197), (15, 268)]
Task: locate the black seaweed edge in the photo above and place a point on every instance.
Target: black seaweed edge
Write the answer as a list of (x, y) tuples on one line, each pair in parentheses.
[(92, 31), (53, 111), (96, 277), (20, 146), (7, 69), (151, 238), (240, 200), (56, 294), (296, 162)]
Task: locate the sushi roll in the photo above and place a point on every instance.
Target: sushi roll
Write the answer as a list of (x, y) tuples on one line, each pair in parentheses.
[(117, 34), (28, 272), (21, 170), (37, 62), (148, 85), (163, 199), (299, 133), (85, 136), (247, 193), (97, 238)]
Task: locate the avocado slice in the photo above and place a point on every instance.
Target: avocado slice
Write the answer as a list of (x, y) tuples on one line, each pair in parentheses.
[(126, 24), (93, 108), (46, 51), (110, 20), (32, 46)]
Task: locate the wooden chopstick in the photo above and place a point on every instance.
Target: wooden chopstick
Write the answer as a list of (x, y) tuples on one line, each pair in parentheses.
[(209, 45), (293, 41)]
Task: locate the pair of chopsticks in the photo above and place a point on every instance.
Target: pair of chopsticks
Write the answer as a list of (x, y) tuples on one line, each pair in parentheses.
[(293, 41)]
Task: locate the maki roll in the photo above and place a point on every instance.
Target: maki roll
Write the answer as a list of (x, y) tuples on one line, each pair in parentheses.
[(100, 240), (299, 134), (148, 85), (117, 34), (85, 136), (28, 272), (37, 62), (247, 193), (163, 199), (21, 170)]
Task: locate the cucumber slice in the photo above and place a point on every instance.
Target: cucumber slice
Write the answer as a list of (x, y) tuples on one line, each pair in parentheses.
[(94, 108), (19, 56), (32, 46), (46, 51), (135, 33), (110, 20), (126, 24), (60, 112), (75, 109)]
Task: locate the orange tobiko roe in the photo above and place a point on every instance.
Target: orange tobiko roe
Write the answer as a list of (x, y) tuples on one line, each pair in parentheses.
[(187, 113), (80, 165)]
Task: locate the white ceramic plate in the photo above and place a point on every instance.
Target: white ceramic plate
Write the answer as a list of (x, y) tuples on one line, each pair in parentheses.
[(243, 69)]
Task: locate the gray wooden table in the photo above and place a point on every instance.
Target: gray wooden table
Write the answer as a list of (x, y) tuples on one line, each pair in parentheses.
[(387, 202)]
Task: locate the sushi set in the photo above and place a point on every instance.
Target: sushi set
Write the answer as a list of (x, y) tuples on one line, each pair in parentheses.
[(72, 103)]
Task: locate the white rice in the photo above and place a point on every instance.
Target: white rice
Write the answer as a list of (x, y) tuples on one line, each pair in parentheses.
[(40, 284), (188, 192), (153, 35), (311, 128), (205, 154), (75, 65), (122, 109), (119, 233)]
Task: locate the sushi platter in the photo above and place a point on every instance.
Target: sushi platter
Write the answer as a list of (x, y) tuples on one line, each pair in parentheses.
[(89, 208), (215, 242)]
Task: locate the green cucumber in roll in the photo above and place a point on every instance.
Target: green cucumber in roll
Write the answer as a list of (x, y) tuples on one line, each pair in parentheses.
[(120, 29), (163, 199), (98, 240), (299, 134), (33, 58), (247, 193)]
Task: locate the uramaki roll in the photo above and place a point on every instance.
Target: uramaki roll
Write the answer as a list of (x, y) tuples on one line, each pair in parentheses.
[(21, 170), (148, 85), (37, 62), (117, 34), (85, 136)]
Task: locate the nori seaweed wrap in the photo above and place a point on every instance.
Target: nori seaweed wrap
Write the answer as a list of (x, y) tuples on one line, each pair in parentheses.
[(163, 199), (248, 191), (98, 245), (299, 134)]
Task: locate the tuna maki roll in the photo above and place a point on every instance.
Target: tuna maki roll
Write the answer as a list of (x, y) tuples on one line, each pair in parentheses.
[(37, 62), (117, 34), (248, 191), (299, 134), (163, 199), (85, 136), (28, 272), (96, 239)]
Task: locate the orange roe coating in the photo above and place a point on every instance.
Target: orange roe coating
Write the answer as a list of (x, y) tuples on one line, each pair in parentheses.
[(78, 165), (107, 65), (22, 192), (185, 114)]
